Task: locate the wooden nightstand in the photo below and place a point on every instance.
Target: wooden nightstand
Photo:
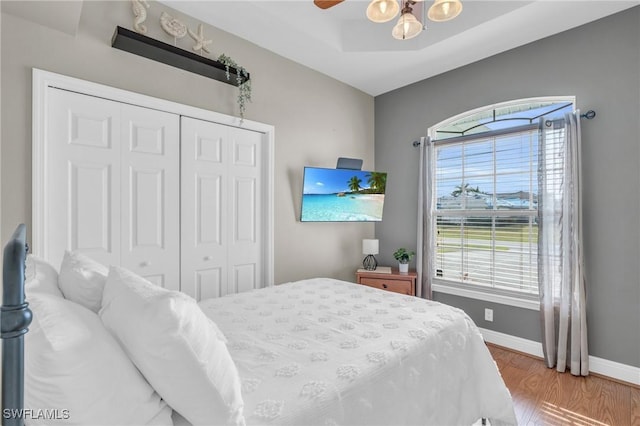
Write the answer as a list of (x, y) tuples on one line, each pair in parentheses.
[(395, 281)]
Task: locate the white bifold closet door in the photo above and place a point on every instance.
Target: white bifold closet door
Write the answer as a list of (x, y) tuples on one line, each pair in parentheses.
[(221, 226), (113, 189)]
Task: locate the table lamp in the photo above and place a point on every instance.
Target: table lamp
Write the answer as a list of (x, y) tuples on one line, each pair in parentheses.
[(370, 247)]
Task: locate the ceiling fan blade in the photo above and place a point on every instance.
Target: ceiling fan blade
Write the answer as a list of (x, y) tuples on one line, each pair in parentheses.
[(326, 4)]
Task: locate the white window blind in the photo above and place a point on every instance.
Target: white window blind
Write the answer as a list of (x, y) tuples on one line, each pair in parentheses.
[(485, 210)]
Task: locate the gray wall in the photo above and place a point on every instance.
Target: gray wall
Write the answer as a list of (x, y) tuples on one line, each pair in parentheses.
[(599, 63), (299, 102)]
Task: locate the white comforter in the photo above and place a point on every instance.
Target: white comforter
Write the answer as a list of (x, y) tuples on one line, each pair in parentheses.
[(328, 352)]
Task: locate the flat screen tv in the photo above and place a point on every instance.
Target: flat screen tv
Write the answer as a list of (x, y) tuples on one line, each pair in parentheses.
[(342, 195)]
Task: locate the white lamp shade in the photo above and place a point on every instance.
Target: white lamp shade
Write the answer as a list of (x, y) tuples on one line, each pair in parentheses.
[(382, 10), (444, 10), (369, 246), (407, 27)]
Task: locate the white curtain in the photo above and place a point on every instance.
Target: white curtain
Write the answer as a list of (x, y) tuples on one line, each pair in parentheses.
[(424, 265), (560, 252)]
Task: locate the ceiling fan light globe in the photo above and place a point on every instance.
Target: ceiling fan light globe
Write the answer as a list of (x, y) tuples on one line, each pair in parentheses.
[(407, 27), (444, 10), (382, 10)]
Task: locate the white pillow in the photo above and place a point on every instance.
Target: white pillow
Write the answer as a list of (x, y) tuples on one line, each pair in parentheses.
[(82, 279), (40, 277), (175, 346), (73, 364)]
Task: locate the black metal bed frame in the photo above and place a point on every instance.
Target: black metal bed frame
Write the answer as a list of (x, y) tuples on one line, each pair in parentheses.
[(15, 318)]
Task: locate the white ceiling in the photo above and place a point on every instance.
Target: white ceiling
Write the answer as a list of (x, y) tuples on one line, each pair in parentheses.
[(341, 43)]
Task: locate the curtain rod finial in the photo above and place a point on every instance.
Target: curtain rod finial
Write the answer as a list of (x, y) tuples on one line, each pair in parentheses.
[(589, 114)]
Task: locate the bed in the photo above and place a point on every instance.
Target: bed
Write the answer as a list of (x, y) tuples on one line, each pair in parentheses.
[(108, 347)]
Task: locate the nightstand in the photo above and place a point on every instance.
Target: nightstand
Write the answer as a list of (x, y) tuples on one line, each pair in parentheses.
[(394, 281)]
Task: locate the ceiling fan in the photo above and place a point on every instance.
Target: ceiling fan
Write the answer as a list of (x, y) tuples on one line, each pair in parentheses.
[(408, 26), (440, 10), (326, 4)]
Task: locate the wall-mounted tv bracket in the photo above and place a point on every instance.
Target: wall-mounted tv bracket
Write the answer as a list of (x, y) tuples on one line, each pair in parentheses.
[(349, 163)]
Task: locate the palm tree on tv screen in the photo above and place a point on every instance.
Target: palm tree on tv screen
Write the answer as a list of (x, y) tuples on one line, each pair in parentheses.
[(377, 181), (354, 184)]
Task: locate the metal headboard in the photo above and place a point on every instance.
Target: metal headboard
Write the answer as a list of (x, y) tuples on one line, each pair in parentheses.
[(15, 318)]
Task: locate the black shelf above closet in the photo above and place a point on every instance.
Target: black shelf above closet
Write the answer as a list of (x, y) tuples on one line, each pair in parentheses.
[(150, 48)]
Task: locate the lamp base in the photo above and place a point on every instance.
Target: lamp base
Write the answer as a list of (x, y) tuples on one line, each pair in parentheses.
[(370, 263)]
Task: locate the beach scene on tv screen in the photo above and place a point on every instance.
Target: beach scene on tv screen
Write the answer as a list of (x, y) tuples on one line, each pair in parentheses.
[(340, 195)]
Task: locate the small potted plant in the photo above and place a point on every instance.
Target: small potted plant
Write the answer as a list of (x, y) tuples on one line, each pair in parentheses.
[(403, 257)]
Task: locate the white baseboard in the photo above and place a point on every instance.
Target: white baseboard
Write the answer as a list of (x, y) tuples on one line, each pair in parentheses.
[(512, 342), (615, 370), (604, 367)]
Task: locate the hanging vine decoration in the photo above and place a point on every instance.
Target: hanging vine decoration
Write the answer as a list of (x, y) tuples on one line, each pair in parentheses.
[(244, 89)]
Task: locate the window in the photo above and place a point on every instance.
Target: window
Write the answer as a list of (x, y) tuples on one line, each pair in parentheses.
[(484, 184)]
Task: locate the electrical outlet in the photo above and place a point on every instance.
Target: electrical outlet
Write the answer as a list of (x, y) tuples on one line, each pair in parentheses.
[(488, 314)]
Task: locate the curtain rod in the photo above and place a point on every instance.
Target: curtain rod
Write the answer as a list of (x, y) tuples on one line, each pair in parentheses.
[(588, 115)]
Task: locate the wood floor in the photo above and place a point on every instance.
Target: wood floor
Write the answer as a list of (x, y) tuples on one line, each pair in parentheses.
[(542, 396)]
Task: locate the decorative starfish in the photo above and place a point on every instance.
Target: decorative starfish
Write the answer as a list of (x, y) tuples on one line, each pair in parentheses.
[(201, 43)]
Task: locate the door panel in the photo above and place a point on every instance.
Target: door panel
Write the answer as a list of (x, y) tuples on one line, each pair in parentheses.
[(90, 128), (244, 194), (150, 195), (83, 181), (243, 278), (208, 206), (208, 283), (204, 211), (89, 217), (245, 245), (147, 209), (209, 149)]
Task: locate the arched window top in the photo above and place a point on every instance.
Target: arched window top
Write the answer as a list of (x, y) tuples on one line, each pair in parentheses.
[(503, 115)]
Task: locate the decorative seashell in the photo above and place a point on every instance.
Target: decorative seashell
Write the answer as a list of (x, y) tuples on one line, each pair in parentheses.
[(172, 26)]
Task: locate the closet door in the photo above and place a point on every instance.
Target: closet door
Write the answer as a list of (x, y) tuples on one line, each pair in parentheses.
[(113, 185), (221, 189), (83, 177), (150, 176)]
